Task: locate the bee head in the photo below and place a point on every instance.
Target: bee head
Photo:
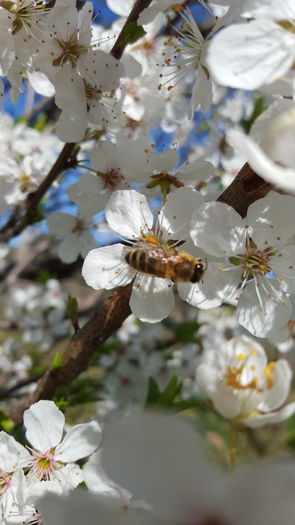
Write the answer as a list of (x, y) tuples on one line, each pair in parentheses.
[(199, 269)]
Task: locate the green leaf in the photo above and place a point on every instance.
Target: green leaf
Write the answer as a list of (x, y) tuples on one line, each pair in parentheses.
[(43, 276), (165, 398), (40, 123), (186, 332), (153, 392), (5, 422), (72, 308), (37, 213), (57, 360), (171, 391), (132, 33), (259, 107)]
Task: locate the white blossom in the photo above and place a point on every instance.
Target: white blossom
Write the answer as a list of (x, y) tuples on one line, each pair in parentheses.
[(243, 386)]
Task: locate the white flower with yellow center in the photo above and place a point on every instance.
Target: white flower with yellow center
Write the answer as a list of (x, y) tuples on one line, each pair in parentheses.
[(252, 261), (243, 386), (53, 456)]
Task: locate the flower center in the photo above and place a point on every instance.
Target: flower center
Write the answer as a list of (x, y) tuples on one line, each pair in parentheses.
[(254, 261), (164, 181), (24, 182), (26, 12), (92, 93), (147, 46), (263, 381), (71, 51), (43, 465), (111, 179), (4, 481)]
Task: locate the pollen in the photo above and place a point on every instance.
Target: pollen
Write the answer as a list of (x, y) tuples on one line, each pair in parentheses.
[(241, 357)]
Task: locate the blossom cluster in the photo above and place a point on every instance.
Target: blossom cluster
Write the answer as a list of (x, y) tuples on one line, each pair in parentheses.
[(159, 111)]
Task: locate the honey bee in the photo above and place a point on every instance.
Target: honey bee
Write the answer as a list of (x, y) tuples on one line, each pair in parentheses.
[(168, 263)]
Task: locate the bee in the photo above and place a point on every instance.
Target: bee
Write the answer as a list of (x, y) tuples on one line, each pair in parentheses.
[(168, 263)]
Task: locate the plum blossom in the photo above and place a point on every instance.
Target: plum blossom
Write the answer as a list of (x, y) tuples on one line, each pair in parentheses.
[(243, 386), (53, 456), (80, 74), (78, 240), (252, 261), (91, 192), (127, 213)]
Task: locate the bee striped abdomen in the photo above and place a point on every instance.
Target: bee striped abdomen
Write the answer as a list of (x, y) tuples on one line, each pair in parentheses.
[(150, 262), (166, 263)]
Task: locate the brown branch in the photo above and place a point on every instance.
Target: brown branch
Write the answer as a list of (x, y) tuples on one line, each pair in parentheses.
[(246, 188), (120, 44)]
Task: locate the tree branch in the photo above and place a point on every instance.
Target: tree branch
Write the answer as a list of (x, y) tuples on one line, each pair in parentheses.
[(245, 189), (120, 44)]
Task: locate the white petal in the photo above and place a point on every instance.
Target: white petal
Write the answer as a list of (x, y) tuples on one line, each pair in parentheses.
[(41, 84), (163, 161), (87, 193), (97, 480), (192, 172), (175, 215), (86, 243), (106, 268), (269, 9), (226, 402), (70, 129), (81, 507), (261, 319), (277, 394), (216, 287), (270, 218), (69, 249), (79, 442), (44, 424), (263, 165), (271, 418), (202, 93), (12, 453), (159, 458), (128, 213), (152, 298), (249, 55), (284, 266), (61, 223), (104, 157), (226, 239)]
